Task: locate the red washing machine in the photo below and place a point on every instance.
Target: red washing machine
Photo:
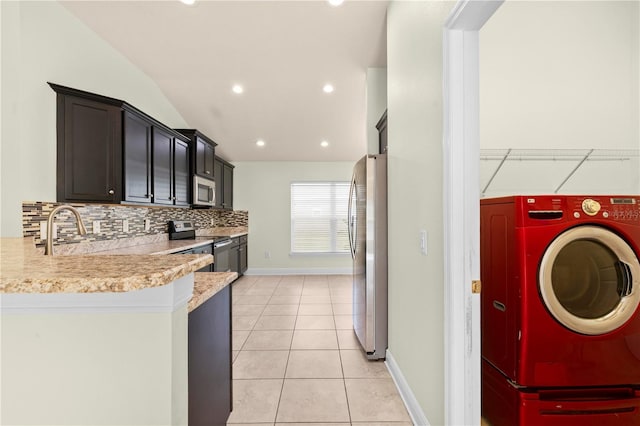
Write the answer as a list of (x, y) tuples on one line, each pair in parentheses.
[(559, 307)]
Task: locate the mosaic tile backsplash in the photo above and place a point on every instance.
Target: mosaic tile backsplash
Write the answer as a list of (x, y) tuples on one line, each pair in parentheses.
[(111, 218)]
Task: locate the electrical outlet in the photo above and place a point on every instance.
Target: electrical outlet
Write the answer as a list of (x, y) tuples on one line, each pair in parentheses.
[(125, 225), (211, 223), (267, 255), (147, 224), (96, 226), (43, 231)]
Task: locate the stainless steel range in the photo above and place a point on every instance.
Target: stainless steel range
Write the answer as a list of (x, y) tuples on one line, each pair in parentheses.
[(185, 230)]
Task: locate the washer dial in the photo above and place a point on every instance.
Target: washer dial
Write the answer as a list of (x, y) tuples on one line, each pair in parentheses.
[(590, 207)]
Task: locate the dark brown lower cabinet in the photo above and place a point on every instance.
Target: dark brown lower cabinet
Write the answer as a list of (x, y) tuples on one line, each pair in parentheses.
[(210, 384)]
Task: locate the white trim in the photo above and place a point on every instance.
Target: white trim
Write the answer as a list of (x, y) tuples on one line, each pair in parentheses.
[(166, 298), (418, 417), (299, 271), (461, 209)]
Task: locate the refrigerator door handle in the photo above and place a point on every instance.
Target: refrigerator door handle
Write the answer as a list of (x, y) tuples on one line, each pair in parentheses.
[(350, 224)]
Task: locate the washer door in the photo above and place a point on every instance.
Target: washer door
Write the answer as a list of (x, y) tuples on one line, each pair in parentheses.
[(589, 280)]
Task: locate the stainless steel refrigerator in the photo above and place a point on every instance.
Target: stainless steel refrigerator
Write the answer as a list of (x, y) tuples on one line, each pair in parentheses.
[(368, 241)]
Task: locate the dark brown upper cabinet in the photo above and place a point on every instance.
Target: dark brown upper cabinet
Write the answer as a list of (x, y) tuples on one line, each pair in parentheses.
[(89, 150), (137, 158), (110, 151), (224, 184), (202, 158), (181, 173)]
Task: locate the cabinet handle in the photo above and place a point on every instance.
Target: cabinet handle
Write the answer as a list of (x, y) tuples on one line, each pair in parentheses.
[(150, 195), (111, 191), (207, 172)]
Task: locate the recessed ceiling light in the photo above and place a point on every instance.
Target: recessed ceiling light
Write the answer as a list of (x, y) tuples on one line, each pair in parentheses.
[(324, 144), (237, 89), (188, 2), (260, 142), (336, 2), (327, 88)]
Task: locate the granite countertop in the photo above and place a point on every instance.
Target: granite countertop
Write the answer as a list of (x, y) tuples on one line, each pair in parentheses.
[(207, 284), (223, 231), (24, 269), (111, 266), (157, 248)]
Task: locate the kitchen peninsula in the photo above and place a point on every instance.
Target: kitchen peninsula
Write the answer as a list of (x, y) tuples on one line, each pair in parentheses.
[(97, 339)]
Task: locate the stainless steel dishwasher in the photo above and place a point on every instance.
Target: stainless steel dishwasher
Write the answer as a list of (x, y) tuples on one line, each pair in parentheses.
[(222, 255)]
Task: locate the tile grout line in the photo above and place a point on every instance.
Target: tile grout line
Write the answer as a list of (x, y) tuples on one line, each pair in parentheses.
[(284, 375)]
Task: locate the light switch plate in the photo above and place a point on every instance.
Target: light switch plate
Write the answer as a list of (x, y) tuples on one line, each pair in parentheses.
[(125, 225), (96, 226), (423, 242), (147, 224)]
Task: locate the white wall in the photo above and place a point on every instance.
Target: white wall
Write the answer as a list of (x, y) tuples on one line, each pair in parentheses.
[(376, 104), (416, 289), (264, 189), (94, 369), (562, 74), (42, 41)]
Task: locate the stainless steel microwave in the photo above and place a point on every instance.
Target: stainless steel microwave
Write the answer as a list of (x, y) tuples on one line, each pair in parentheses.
[(204, 192)]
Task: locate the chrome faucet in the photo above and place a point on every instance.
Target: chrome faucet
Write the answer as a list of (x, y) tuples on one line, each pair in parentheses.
[(48, 249)]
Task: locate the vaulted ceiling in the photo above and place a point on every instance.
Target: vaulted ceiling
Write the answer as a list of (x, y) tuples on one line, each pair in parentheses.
[(281, 53)]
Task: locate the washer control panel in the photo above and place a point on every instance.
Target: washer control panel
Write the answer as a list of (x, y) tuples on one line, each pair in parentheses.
[(582, 208), (626, 209)]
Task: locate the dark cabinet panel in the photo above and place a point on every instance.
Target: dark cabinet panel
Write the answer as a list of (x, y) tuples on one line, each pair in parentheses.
[(242, 258), (227, 181), (203, 152), (210, 384), (162, 167), (204, 158), (182, 177), (218, 168), (137, 159), (382, 133), (234, 258), (223, 172), (88, 150)]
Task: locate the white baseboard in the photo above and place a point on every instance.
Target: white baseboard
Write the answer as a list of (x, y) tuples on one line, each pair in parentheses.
[(411, 403), (298, 271)]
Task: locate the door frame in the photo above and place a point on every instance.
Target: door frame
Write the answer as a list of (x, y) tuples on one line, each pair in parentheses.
[(461, 208)]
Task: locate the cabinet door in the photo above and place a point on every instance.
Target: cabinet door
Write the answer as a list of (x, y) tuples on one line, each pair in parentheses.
[(227, 180), (181, 172), (234, 256), (242, 258), (89, 147), (204, 158), (162, 167), (137, 159), (210, 384), (219, 178)]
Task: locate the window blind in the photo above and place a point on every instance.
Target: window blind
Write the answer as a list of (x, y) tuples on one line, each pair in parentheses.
[(319, 217)]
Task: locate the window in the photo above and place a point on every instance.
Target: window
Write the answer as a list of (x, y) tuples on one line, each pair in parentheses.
[(319, 217)]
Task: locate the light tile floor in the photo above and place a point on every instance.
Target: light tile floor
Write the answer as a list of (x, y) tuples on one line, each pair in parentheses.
[(297, 361)]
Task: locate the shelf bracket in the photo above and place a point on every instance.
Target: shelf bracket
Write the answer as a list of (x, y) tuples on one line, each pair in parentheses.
[(496, 172), (575, 169)]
